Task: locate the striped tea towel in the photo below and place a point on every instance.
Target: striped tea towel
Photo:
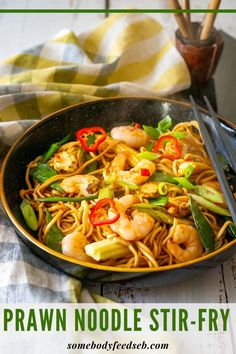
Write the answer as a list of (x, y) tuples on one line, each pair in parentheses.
[(127, 54)]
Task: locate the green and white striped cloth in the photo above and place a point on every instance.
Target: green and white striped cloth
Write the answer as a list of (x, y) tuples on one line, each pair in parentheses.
[(125, 55)]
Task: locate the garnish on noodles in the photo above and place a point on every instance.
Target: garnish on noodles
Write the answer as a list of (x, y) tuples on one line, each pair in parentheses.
[(137, 196)]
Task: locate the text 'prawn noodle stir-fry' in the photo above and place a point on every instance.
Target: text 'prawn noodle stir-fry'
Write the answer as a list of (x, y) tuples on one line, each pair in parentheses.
[(138, 196)]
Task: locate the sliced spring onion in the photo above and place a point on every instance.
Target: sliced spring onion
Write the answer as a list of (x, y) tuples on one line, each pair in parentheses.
[(66, 199), (165, 124), (110, 179), (210, 194), (210, 206), (183, 182), (148, 155), (161, 201), (152, 132), (161, 177), (105, 193), (162, 188), (203, 227), (187, 169), (179, 135), (132, 186), (29, 215)]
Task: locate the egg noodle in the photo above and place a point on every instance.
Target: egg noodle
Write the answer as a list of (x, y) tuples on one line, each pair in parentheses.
[(164, 243)]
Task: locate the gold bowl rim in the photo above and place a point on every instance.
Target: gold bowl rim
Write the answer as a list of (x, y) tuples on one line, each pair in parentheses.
[(60, 256)]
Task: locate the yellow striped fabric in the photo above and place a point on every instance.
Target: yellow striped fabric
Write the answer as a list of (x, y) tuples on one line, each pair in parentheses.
[(125, 55)]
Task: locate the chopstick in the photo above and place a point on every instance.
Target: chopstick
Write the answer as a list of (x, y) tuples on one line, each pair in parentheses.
[(214, 159), (209, 20), (221, 135), (187, 15), (180, 19)]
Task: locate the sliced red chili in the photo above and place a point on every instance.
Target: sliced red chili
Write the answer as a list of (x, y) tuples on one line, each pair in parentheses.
[(96, 216), (145, 172), (160, 144), (137, 125), (84, 136)]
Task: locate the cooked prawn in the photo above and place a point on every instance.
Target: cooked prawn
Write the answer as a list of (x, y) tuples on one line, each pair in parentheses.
[(134, 175), (118, 163), (133, 137), (64, 162), (73, 246), (134, 228), (185, 244), (83, 184)]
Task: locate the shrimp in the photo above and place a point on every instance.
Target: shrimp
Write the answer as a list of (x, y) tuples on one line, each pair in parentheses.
[(73, 246), (83, 184), (185, 244), (64, 162), (131, 229), (134, 175), (119, 162), (133, 137)]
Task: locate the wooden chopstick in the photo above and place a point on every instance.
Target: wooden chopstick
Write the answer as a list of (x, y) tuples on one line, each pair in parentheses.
[(209, 20), (215, 162), (180, 19), (186, 6), (187, 15), (221, 135)]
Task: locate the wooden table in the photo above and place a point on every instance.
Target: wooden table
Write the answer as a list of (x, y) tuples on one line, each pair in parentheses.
[(19, 31)]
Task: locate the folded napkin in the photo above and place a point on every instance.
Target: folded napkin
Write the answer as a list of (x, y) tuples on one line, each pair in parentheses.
[(125, 55)]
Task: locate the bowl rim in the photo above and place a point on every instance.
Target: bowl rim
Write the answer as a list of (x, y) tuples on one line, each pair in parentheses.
[(96, 266)]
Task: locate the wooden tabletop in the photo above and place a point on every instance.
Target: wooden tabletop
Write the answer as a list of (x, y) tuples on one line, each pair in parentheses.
[(24, 30)]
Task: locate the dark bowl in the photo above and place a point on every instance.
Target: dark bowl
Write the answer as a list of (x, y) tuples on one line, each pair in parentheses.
[(107, 113)]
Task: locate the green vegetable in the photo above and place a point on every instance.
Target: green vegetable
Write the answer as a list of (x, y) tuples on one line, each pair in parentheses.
[(54, 236), (66, 199), (161, 201), (29, 215), (54, 147), (203, 227), (161, 177), (183, 182), (188, 169), (162, 188), (152, 132), (105, 193), (132, 186), (210, 206), (91, 139), (148, 155), (231, 228), (42, 172), (179, 135), (210, 194), (106, 249), (92, 166), (165, 124), (158, 213), (150, 146)]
